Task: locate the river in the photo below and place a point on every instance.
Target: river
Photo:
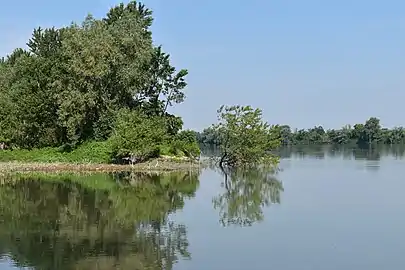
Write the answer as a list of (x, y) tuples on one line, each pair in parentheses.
[(327, 208)]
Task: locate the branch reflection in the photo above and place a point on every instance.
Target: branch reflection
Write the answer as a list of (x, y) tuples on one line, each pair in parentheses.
[(246, 193)]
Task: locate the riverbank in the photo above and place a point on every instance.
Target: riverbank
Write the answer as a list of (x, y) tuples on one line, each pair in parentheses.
[(90, 156), (156, 165)]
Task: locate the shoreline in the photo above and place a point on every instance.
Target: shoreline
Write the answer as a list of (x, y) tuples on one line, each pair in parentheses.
[(155, 165)]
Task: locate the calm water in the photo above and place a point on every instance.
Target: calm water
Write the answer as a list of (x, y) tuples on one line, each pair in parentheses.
[(327, 209)]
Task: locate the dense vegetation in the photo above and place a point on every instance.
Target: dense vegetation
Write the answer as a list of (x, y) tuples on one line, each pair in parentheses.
[(101, 81), (371, 132), (245, 138)]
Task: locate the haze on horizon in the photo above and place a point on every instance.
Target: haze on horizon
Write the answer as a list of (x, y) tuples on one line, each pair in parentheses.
[(305, 63)]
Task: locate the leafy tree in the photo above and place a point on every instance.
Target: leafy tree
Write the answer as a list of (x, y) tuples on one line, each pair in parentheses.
[(72, 82), (137, 135), (372, 129), (208, 136), (286, 134), (164, 86), (245, 139), (186, 142)]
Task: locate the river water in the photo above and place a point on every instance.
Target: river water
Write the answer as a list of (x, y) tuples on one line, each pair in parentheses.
[(325, 209)]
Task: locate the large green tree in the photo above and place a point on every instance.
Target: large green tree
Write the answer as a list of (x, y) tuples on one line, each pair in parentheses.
[(71, 82), (245, 139)]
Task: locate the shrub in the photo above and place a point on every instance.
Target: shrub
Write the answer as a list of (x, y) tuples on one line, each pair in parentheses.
[(185, 143), (245, 138), (137, 135)]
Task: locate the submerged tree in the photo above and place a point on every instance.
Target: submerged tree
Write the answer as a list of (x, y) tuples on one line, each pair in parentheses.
[(245, 139)]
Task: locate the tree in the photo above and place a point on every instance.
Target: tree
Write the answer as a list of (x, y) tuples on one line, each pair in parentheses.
[(164, 86), (208, 137), (372, 129), (245, 139), (70, 84), (137, 135), (186, 142), (286, 134)]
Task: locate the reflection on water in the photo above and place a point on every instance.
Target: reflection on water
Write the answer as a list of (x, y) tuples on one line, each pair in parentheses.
[(368, 158), (91, 222), (324, 210), (345, 152), (245, 195)]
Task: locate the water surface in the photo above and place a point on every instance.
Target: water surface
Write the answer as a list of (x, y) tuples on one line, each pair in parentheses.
[(328, 208)]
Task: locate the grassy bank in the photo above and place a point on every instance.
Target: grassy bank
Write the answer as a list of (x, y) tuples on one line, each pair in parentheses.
[(91, 156), (89, 152), (155, 165)]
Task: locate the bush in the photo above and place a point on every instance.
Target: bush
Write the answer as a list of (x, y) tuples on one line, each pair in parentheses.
[(188, 149), (245, 138), (137, 135), (183, 143)]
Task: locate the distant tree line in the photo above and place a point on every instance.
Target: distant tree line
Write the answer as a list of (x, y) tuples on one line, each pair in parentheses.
[(368, 133)]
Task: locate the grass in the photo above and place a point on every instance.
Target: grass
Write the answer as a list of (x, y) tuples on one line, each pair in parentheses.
[(90, 156), (89, 152)]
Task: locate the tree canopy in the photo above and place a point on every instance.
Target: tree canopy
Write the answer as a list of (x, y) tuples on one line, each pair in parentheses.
[(245, 139), (71, 82)]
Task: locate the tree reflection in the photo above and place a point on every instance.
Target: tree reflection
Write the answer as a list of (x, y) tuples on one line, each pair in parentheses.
[(376, 152), (89, 222), (246, 194)]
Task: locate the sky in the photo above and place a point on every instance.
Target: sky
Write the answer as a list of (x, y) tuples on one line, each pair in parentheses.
[(304, 63)]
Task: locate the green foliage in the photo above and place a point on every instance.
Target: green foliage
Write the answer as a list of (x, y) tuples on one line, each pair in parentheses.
[(245, 139), (173, 123), (89, 152), (186, 142), (208, 136), (362, 134), (138, 135), (180, 149), (187, 136), (71, 83), (162, 82), (141, 137)]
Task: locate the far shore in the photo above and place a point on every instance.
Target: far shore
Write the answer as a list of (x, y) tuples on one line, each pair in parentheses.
[(156, 165)]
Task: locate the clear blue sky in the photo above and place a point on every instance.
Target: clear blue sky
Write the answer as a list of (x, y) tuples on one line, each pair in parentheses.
[(304, 63)]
